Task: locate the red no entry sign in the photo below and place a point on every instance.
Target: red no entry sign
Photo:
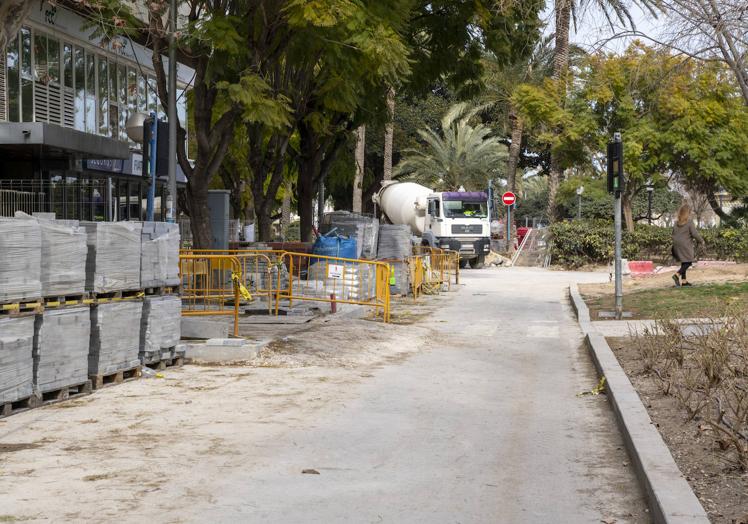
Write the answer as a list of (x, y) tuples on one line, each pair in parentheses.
[(508, 198)]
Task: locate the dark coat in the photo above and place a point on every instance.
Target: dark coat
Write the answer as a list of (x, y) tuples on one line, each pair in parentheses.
[(683, 239)]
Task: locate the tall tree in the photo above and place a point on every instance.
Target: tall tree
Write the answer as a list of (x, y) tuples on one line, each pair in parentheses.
[(389, 134), (212, 41), (360, 158), (460, 155), (565, 11)]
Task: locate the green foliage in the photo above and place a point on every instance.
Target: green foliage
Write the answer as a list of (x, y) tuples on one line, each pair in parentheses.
[(677, 116), (461, 155), (581, 242), (258, 103)]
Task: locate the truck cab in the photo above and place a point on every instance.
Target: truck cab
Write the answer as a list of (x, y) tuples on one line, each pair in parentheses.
[(459, 221)]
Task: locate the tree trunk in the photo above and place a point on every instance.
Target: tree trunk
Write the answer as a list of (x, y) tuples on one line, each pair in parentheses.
[(389, 132), (514, 150), (197, 199), (12, 15), (358, 180), (716, 207), (560, 71), (264, 224), (286, 209), (305, 197), (628, 212)]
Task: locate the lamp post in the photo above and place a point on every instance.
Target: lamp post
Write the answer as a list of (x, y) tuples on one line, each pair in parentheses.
[(580, 190), (650, 191), (136, 127)]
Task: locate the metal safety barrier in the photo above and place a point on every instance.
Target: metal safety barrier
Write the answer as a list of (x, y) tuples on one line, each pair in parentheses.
[(335, 280), (211, 285), (441, 266), (258, 271)]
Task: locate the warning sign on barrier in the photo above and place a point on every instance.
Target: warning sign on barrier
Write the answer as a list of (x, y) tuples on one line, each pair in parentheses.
[(335, 271)]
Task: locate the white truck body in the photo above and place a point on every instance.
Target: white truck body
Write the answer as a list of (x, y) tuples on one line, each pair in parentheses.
[(449, 220)]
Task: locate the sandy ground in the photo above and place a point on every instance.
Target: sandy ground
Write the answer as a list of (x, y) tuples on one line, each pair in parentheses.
[(463, 410), (697, 275)]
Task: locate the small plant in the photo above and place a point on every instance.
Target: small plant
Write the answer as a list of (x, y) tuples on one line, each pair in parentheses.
[(706, 370)]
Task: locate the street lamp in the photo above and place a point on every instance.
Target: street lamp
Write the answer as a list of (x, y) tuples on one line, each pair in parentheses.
[(135, 127), (650, 190), (580, 190)]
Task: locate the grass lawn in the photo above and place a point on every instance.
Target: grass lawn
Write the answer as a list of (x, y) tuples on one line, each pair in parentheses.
[(704, 300)]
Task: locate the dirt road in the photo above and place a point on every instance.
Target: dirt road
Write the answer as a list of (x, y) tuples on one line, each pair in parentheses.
[(470, 414)]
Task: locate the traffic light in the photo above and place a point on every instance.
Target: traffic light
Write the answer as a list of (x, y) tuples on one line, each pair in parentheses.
[(615, 166), (162, 147)]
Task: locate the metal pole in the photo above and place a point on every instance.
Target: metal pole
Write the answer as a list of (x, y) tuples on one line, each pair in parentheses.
[(171, 197), (508, 228), (152, 167), (579, 206), (618, 263)]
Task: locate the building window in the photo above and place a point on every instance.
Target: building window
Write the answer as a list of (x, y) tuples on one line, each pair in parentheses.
[(103, 95), (122, 100), (67, 65), (90, 94), (80, 89), (27, 78), (13, 75)]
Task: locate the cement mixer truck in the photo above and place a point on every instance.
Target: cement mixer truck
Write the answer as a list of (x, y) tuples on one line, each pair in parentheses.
[(455, 220)]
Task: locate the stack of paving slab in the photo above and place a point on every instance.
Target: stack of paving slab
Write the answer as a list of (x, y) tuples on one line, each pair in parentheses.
[(357, 282), (113, 261), (63, 257), (16, 358), (364, 229), (115, 337), (159, 262), (61, 348), (394, 242), (160, 328), (20, 259)]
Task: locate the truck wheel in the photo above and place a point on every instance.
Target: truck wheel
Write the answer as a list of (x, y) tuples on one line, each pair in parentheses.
[(463, 263), (477, 263)]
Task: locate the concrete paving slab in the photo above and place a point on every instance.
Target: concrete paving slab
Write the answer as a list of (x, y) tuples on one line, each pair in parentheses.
[(204, 328)]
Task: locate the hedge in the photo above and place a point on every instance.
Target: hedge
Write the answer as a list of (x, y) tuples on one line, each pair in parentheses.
[(582, 242)]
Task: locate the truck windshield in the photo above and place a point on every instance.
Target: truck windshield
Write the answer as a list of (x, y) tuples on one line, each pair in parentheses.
[(459, 209)]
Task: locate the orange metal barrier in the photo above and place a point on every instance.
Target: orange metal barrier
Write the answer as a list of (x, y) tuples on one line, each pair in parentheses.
[(258, 268), (335, 280), (210, 285)]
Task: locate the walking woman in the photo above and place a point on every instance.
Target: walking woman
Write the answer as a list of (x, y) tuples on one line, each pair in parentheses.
[(684, 235)]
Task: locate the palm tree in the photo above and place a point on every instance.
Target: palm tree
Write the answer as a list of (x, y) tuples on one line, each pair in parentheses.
[(566, 10), (461, 155), (389, 132), (501, 85), (358, 179)]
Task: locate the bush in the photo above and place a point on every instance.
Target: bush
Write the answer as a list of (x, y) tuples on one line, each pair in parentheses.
[(582, 242)]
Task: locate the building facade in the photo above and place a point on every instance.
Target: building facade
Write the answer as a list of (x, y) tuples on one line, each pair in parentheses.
[(65, 98)]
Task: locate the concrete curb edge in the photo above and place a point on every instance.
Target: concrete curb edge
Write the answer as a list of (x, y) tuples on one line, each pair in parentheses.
[(670, 497)]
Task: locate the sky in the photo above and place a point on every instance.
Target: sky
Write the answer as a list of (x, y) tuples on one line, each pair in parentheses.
[(593, 29)]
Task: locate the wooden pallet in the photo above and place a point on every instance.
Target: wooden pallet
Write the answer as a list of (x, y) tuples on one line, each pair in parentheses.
[(66, 393), (118, 377), (160, 291), (61, 301), (167, 363), (21, 308), (117, 296), (11, 408)]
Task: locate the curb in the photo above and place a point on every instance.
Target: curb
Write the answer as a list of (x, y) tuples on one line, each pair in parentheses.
[(671, 499)]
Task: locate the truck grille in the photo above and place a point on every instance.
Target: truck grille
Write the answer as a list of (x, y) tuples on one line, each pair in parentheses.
[(466, 229)]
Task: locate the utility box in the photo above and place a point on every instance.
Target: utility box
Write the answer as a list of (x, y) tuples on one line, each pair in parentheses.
[(218, 204)]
